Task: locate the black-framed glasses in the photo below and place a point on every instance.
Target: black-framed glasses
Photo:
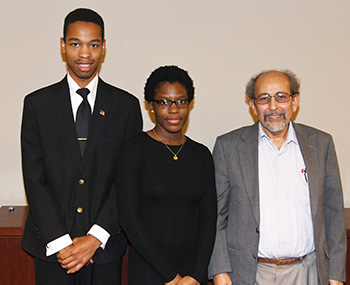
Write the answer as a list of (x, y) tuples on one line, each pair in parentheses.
[(265, 98), (166, 104)]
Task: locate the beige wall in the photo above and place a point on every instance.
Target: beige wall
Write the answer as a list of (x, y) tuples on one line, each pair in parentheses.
[(221, 43)]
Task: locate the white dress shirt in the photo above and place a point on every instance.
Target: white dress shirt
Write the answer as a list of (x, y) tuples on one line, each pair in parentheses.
[(286, 228), (97, 231)]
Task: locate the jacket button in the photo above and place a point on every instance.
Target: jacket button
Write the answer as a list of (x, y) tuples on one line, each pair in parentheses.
[(254, 255), (257, 230), (80, 210), (81, 181)]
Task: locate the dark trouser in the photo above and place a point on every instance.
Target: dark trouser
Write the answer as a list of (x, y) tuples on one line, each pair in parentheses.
[(51, 273)]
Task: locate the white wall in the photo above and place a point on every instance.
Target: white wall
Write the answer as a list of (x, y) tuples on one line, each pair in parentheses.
[(221, 43)]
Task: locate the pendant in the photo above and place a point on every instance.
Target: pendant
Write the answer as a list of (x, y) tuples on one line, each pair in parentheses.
[(175, 157)]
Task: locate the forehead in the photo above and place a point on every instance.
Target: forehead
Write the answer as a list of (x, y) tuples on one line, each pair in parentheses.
[(272, 81), (84, 29), (175, 89)]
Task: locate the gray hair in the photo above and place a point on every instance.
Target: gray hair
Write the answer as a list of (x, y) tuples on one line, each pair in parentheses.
[(293, 81)]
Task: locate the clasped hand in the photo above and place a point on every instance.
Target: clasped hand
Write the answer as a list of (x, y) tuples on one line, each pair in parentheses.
[(80, 253)]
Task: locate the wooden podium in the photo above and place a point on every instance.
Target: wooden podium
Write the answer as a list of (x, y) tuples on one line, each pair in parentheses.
[(17, 266)]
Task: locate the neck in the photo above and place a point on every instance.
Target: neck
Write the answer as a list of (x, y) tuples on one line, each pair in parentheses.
[(167, 137), (278, 138), (82, 82)]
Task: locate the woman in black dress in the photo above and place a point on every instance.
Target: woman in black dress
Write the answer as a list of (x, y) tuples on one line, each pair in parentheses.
[(166, 190)]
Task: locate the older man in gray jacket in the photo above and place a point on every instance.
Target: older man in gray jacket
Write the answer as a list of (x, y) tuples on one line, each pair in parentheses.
[(280, 201)]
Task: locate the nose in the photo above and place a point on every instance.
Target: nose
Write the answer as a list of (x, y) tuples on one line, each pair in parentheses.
[(273, 104), (173, 108), (84, 51)]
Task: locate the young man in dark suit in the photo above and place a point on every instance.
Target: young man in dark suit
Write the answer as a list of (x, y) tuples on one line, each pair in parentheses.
[(71, 135)]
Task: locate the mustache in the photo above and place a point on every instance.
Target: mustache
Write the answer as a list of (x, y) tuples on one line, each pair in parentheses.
[(283, 113)]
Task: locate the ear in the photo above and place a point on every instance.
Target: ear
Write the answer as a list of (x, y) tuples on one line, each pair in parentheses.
[(103, 46), (63, 45), (252, 105), (151, 107), (295, 102)]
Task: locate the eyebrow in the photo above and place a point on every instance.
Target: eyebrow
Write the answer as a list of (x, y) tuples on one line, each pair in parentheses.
[(78, 40), (266, 93), (184, 97)]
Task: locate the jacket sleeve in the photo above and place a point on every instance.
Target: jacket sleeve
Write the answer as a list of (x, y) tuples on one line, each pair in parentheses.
[(42, 204), (220, 261), (334, 216)]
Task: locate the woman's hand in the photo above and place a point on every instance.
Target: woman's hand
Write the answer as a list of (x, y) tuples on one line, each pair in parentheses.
[(222, 279), (188, 280), (174, 281)]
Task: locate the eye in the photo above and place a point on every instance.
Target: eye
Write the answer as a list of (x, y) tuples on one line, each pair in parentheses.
[(182, 102), (94, 45), (75, 44), (263, 98), (163, 102), (282, 96)]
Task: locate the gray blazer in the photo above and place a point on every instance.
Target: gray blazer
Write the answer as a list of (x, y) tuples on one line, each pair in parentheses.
[(237, 240)]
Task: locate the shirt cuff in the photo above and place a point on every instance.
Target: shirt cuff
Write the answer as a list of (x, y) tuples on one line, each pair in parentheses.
[(57, 244), (100, 233)]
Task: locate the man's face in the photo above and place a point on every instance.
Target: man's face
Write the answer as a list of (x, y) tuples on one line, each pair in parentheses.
[(274, 116), (83, 48)]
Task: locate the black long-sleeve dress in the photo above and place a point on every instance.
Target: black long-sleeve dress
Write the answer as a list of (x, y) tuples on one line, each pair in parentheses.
[(167, 209)]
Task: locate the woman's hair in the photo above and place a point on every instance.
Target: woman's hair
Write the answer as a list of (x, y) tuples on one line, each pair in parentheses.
[(171, 74)]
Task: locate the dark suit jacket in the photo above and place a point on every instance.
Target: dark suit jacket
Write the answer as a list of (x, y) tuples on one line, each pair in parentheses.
[(58, 180), (237, 240)]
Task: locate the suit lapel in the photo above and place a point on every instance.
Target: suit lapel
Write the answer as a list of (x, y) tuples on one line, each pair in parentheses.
[(98, 119), (308, 151), (248, 154), (65, 115)]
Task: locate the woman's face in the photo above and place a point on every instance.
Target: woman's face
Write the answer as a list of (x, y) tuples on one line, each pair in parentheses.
[(173, 119)]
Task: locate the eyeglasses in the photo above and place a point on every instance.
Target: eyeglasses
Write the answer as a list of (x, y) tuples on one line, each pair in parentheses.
[(166, 104), (265, 98)]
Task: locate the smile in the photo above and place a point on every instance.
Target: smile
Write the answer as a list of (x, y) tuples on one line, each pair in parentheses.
[(275, 115), (85, 66), (174, 121)]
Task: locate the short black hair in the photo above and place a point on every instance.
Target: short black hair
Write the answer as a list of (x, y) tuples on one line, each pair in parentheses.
[(85, 15), (171, 74), (294, 82)]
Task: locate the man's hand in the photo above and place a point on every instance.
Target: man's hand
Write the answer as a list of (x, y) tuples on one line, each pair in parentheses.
[(187, 280), (222, 279), (335, 282), (80, 253)]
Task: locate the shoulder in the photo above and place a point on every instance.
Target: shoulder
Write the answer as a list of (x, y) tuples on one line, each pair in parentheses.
[(198, 147), (44, 92), (116, 93), (234, 135), (135, 142), (308, 131)]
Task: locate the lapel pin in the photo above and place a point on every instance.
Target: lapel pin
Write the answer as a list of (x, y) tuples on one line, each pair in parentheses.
[(102, 113)]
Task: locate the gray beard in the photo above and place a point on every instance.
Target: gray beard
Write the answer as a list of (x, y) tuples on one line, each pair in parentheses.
[(275, 128)]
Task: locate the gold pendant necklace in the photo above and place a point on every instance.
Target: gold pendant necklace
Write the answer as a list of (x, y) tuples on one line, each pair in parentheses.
[(175, 157)]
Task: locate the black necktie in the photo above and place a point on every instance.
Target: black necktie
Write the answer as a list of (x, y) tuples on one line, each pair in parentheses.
[(83, 119)]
